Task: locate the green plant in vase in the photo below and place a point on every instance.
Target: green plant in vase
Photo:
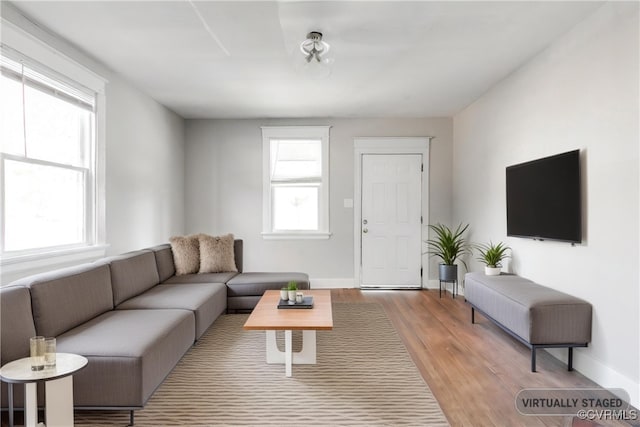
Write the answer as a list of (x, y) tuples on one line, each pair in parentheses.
[(449, 245), (492, 255), (292, 287)]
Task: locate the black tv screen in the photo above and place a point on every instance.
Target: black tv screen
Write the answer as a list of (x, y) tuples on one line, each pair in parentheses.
[(543, 198)]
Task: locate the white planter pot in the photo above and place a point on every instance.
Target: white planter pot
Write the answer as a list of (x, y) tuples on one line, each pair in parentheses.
[(492, 271), (284, 294), (292, 296)]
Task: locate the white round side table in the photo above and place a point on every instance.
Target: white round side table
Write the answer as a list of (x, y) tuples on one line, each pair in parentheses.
[(58, 388)]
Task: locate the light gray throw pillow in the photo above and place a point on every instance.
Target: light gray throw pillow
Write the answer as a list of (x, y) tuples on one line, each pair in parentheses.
[(186, 254), (216, 254)]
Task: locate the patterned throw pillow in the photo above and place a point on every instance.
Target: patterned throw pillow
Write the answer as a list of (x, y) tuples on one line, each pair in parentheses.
[(186, 254), (216, 254)]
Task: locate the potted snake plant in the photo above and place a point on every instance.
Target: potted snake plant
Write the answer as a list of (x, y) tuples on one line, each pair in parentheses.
[(448, 245), (492, 255)]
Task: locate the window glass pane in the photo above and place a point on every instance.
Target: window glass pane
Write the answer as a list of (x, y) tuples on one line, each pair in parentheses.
[(44, 206), (291, 159), (57, 131), (295, 207), (11, 129)]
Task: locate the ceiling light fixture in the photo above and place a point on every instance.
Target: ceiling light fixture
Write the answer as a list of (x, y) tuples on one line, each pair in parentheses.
[(314, 48)]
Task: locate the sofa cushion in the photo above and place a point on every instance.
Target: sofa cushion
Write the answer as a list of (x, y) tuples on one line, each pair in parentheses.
[(132, 274), (206, 300), (164, 261), (200, 278), (186, 254), (216, 254), (63, 299), (256, 283), (130, 353), (16, 323), (238, 255)]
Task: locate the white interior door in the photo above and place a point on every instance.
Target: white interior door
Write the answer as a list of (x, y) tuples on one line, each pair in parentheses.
[(391, 221)]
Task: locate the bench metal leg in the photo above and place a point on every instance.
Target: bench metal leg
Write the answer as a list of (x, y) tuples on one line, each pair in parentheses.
[(131, 418), (473, 315), (533, 359), (570, 360)]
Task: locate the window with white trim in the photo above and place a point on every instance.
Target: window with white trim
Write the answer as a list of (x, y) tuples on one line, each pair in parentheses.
[(295, 182), (47, 159)]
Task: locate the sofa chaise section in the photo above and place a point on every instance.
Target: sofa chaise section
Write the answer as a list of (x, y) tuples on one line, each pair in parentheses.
[(245, 290)]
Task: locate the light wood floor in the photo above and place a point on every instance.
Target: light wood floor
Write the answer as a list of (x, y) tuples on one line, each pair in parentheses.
[(474, 370)]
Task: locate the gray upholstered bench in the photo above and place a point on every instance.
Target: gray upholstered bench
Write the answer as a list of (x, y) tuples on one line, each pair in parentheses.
[(535, 315)]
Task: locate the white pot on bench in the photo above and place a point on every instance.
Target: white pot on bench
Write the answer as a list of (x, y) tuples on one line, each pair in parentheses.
[(492, 271)]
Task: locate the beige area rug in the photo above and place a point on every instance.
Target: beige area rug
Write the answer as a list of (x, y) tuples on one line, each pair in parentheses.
[(364, 377)]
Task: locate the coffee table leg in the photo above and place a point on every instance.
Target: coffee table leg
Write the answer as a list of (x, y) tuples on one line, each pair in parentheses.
[(30, 405), (307, 355), (273, 354), (288, 353), (59, 402)]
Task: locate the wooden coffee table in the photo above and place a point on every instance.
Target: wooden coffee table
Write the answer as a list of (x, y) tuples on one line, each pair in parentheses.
[(267, 317)]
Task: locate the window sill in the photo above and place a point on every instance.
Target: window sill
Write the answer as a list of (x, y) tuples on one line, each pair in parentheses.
[(25, 265), (296, 235)]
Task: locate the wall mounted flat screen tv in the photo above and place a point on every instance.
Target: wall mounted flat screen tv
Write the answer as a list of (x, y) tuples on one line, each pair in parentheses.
[(543, 198)]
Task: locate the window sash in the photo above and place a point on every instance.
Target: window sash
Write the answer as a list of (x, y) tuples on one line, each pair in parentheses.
[(87, 226), (276, 216)]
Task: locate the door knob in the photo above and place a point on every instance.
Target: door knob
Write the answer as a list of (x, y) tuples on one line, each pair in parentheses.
[(364, 230)]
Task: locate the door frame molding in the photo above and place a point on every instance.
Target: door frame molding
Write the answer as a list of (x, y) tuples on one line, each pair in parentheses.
[(386, 145)]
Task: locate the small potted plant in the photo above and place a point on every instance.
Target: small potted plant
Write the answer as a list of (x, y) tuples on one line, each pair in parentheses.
[(292, 287), (492, 255), (448, 245)]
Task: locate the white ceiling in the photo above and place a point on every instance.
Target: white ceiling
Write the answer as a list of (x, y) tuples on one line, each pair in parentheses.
[(237, 59)]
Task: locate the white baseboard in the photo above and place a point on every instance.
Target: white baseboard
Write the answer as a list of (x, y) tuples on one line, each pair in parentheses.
[(333, 283), (349, 282), (435, 284), (599, 373)]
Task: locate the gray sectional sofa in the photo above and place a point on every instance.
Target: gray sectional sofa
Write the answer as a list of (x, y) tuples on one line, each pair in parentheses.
[(130, 315)]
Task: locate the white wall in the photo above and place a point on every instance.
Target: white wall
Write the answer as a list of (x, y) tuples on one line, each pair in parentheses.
[(581, 92), (145, 170), (224, 188)]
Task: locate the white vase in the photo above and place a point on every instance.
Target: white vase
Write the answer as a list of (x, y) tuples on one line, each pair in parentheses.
[(292, 296), (492, 271), (284, 294)]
